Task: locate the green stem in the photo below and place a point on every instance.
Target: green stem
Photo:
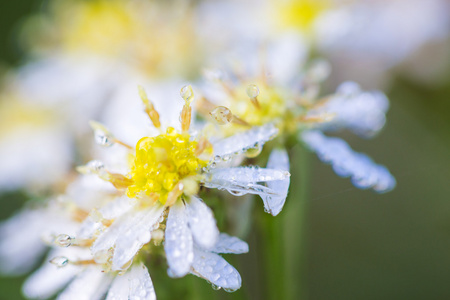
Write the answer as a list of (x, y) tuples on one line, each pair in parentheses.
[(295, 224), (273, 257)]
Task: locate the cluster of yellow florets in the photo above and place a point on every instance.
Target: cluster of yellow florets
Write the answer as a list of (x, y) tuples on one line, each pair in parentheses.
[(162, 162)]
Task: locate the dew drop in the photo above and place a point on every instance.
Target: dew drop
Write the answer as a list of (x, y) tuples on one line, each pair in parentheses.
[(229, 290), (92, 167), (101, 257), (236, 193), (252, 91), (187, 93), (63, 240), (215, 287), (226, 158), (103, 139), (222, 115), (254, 151), (60, 261)]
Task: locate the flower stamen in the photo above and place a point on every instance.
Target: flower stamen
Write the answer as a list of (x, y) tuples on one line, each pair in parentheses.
[(149, 108)]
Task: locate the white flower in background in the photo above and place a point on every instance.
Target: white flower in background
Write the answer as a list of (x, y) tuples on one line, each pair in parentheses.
[(31, 140), (356, 36), (378, 30), (259, 96)]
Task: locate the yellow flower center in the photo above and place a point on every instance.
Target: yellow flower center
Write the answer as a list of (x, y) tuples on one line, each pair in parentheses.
[(271, 105), (300, 14), (163, 161)]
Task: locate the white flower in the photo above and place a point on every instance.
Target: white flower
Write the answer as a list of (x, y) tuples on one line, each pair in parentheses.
[(255, 99), (101, 229), (364, 173), (166, 173)]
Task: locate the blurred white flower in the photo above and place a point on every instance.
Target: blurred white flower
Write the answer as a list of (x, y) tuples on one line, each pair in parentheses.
[(291, 101)]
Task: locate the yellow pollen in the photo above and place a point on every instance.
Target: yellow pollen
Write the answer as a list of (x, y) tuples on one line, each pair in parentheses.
[(160, 164), (270, 107), (300, 14)]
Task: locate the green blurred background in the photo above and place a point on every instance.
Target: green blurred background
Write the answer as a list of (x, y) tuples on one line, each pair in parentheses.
[(359, 245)]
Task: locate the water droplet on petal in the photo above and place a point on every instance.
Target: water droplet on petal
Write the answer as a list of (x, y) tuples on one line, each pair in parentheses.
[(229, 290), (101, 257), (254, 151), (215, 287), (60, 261)]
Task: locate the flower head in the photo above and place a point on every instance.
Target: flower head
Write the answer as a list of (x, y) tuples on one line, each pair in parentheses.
[(257, 99)]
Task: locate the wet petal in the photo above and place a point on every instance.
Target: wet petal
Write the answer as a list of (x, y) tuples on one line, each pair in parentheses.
[(91, 284), (178, 242), (202, 223), (134, 284), (243, 141), (240, 188), (25, 231), (279, 160), (91, 226), (363, 112), (248, 174), (230, 244), (363, 171), (18, 235), (49, 279), (127, 235), (216, 270)]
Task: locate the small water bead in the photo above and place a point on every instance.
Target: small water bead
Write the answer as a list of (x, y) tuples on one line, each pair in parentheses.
[(252, 91), (92, 167), (187, 93), (101, 134), (60, 261), (215, 287), (64, 240), (222, 115), (229, 290), (254, 151), (102, 257), (226, 157)]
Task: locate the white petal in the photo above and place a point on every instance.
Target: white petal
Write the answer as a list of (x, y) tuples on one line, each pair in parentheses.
[(285, 56), (216, 270), (202, 223), (247, 174), (49, 279), (239, 188), (128, 234), (25, 231), (135, 284), (362, 112), (91, 284), (131, 240), (116, 208), (92, 225), (89, 191), (18, 235), (278, 159), (178, 243), (363, 171), (230, 244), (243, 141)]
